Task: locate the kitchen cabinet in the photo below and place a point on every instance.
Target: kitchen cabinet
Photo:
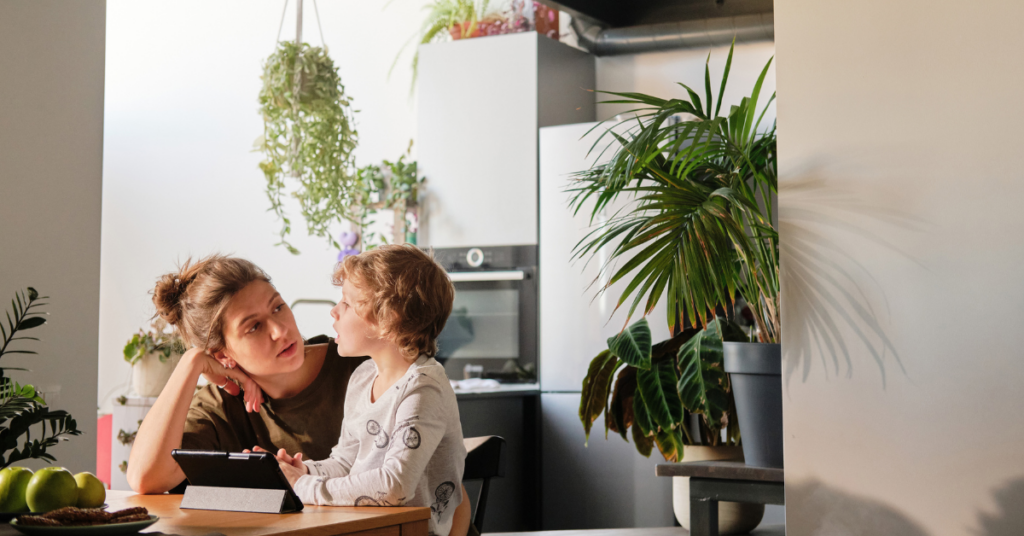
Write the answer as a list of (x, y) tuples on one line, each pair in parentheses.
[(480, 104), (514, 501)]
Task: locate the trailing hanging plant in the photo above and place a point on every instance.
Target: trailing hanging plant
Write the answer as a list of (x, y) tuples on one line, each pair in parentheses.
[(21, 407), (446, 19), (308, 134)]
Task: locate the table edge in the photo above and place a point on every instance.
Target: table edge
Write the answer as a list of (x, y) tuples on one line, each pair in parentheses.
[(711, 470)]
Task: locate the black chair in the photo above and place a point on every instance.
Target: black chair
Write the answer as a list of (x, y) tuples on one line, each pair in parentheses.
[(485, 459)]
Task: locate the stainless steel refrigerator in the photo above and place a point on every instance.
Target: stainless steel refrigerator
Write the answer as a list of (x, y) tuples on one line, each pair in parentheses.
[(606, 484)]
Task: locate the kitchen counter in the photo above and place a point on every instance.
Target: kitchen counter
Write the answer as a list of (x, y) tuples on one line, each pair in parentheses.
[(505, 390)]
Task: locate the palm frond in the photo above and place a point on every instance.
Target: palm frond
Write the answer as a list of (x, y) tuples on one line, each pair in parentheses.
[(698, 184)]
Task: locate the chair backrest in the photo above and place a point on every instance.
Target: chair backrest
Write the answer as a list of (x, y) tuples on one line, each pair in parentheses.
[(485, 459)]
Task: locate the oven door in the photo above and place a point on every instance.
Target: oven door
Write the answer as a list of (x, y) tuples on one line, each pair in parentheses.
[(493, 325)]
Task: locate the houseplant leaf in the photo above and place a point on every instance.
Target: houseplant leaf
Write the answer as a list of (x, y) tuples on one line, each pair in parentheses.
[(641, 417), (644, 444), (658, 388), (703, 384), (633, 345), (595, 388), (620, 409)]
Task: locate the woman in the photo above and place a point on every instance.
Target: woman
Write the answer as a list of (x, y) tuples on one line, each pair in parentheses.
[(239, 328)]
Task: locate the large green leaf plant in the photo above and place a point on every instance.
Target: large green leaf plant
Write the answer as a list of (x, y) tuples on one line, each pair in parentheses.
[(670, 394), (21, 407), (698, 231)]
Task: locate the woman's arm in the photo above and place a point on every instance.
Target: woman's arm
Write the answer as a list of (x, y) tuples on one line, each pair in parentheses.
[(151, 469)]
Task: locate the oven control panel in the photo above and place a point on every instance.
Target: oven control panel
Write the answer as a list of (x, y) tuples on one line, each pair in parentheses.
[(486, 257)]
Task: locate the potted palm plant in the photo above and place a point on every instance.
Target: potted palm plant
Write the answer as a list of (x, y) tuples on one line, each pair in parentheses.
[(699, 233)]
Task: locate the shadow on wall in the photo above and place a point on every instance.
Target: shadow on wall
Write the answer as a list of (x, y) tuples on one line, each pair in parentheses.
[(1009, 520), (830, 512), (829, 294)]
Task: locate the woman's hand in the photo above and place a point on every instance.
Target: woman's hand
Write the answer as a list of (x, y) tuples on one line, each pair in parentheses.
[(291, 466), (225, 378)]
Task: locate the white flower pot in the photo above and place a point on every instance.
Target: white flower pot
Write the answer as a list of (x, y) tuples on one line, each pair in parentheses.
[(149, 375), (733, 518)]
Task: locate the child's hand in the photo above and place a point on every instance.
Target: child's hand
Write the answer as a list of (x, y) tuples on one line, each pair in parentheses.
[(291, 466), (293, 473)]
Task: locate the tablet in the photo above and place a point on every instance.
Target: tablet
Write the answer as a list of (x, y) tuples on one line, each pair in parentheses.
[(256, 470)]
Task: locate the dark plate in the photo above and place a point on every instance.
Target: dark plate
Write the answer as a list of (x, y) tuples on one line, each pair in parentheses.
[(113, 529)]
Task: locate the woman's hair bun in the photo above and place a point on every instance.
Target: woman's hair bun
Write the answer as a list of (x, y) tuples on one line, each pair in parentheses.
[(170, 289)]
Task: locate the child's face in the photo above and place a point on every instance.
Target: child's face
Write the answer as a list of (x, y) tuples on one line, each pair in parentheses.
[(356, 335)]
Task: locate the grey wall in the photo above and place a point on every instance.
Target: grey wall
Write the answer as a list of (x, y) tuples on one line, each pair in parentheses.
[(899, 136), (51, 147)]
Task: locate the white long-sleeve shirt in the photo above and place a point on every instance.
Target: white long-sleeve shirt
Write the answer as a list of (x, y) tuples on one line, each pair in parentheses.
[(405, 449)]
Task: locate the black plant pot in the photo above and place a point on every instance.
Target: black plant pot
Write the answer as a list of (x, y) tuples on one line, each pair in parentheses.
[(756, 373)]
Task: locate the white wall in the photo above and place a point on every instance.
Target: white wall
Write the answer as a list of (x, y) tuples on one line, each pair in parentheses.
[(657, 74), (899, 143), (180, 178), (51, 135)]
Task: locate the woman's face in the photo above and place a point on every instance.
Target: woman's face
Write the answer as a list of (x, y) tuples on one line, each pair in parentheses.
[(260, 333), (356, 336)]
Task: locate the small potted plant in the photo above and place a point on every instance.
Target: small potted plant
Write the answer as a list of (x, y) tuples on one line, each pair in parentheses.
[(466, 19), (153, 355), (392, 185)]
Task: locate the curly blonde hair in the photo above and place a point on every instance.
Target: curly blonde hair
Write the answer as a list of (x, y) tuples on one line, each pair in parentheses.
[(408, 295)]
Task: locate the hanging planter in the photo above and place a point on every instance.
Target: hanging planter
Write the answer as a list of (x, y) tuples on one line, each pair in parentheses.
[(308, 135)]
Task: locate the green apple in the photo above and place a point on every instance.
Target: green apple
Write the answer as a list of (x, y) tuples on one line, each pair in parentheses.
[(13, 481), (91, 491), (51, 488)]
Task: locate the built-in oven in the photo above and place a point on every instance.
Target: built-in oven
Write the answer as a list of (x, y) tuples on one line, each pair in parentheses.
[(492, 331)]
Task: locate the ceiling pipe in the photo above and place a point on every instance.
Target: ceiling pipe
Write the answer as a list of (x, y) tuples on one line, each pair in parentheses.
[(700, 33)]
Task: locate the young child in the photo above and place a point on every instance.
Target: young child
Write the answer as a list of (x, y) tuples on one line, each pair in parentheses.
[(401, 438)]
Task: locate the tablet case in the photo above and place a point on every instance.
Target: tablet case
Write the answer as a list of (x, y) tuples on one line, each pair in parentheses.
[(235, 481)]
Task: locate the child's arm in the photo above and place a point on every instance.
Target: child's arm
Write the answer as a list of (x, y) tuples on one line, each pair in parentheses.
[(342, 456), (422, 418)]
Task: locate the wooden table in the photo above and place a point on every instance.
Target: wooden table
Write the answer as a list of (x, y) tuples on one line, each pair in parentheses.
[(312, 520), (711, 482)]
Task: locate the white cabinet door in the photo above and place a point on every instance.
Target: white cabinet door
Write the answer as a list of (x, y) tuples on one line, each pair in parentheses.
[(574, 324), (477, 141)]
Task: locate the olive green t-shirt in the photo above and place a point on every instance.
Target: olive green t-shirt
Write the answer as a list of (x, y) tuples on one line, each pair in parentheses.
[(309, 422)]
